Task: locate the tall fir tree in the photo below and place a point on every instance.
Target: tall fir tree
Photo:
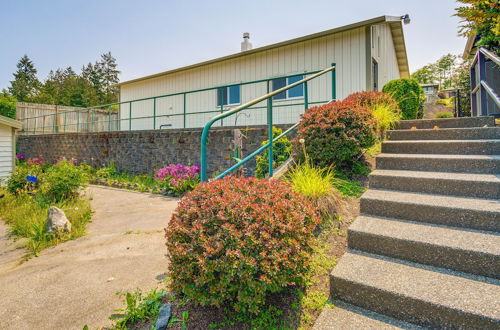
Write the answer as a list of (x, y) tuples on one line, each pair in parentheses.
[(25, 85)]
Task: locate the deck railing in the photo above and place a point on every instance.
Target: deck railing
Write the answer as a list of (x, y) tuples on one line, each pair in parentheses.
[(129, 115), (269, 98), (485, 84)]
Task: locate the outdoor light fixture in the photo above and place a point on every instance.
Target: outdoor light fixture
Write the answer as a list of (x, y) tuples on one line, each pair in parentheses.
[(406, 18)]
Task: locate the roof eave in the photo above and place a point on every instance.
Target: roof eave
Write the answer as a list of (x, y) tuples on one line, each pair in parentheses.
[(11, 122), (372, 21)]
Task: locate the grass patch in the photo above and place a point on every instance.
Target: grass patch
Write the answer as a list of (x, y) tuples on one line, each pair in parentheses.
[(27, 217)]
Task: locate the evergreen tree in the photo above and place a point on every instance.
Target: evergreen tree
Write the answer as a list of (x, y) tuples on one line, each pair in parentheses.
[(25, 85)]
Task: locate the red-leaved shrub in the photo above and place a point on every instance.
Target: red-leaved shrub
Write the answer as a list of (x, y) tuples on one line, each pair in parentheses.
[(336, 133), (233, 241)]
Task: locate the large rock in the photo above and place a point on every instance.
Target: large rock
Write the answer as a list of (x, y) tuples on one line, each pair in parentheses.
[(163, 317), (57, 221)]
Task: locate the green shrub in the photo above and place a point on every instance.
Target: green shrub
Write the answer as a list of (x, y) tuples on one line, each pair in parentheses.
[(384, 108), (409, 95), (449, 102), (106, 172), (336, 134), (315, 184), (139, 307), (444, 114), (18, 183), (7, 105), (282, 149), (235, 240), (63, 181)]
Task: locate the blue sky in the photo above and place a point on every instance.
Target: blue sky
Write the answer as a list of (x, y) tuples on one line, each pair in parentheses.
[(151, 36)]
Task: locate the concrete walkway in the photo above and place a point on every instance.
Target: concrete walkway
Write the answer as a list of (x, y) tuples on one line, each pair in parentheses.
[(75, 283)]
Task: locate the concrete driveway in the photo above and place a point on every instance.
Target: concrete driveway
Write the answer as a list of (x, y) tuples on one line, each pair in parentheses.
[(75, 283)]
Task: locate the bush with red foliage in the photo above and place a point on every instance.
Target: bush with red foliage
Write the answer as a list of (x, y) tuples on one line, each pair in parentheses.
[(235, 240), (372, 98), (336, 133)]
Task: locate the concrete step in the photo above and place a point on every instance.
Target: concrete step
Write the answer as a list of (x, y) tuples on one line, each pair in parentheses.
[(423, 295), (345, 316), (475, 213), (457, 147), (488, 164), (447, 123), (465, 250), (446, 134), (459, 184)]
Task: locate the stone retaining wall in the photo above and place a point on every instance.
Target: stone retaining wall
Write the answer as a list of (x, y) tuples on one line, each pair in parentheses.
[(141, 152)]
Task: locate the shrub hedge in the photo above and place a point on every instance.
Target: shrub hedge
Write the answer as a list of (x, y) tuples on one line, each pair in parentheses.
[(409, 95), (282, 149), (335, 134), (235, 240)]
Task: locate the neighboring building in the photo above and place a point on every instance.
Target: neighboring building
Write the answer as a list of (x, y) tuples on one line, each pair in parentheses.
[(430, 91), (8, 128), (367, 55)]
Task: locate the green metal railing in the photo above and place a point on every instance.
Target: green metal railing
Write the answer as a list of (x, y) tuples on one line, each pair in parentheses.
[(269, 145), (106, 118)]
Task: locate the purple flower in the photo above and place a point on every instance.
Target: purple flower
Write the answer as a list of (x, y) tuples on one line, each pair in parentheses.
[(20, 156)]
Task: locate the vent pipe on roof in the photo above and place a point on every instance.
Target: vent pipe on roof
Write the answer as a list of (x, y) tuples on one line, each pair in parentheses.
[(246, 44)]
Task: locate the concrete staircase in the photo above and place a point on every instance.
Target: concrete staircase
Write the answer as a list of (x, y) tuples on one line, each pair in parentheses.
[(425, 251)]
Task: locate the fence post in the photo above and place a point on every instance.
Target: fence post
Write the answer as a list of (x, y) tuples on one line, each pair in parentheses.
[(64, 121), (130, 116), (184, 105), (270, 133), (154, 113), (334, 83), (306, 97)]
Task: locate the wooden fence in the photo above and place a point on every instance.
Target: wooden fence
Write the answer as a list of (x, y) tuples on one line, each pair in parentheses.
[(50, 119)]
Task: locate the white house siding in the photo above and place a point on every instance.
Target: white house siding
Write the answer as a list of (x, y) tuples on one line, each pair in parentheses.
[(346, 49), (384, 53), (6, 152)]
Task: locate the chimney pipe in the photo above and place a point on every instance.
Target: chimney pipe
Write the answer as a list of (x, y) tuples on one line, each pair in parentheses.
[(246, 44)]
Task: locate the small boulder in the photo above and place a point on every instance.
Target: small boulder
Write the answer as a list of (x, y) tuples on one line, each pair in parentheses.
[(163, 317), (57, 221)]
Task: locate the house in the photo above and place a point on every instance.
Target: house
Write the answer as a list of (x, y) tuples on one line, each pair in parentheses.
[(366, 55), (8, 128)]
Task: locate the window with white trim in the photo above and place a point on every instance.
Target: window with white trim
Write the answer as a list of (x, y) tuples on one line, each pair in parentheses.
[(229, 95), (294, 92)]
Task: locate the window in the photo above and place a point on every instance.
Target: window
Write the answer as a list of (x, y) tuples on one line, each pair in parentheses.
[(297, 91), (228, 95)]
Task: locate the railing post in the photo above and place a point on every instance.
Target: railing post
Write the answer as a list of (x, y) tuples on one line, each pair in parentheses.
[(154, 113), (483, 101), (334, 83), (306, 97), (109, 118), (184, 106), (222, 111), (130, 116), (203, 155), (270, 133)]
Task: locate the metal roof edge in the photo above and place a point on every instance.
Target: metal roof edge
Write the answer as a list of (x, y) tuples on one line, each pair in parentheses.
[(372, 21)]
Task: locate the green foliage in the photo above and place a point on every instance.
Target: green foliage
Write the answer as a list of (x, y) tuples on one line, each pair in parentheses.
[(26, 217), (336, 134), (312, 182), (234, 241), (7, 105), (384, 108), (449, 102), (409, 95), (65, 86), (17, 182), (25, 85), (282, 150), (139, 307), (106, 172), (481, 17), (63, 181), (444, 114), (184, 320)]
